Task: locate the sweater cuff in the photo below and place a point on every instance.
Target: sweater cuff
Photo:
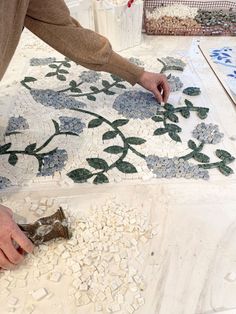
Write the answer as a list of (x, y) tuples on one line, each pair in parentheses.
[(123, 68)]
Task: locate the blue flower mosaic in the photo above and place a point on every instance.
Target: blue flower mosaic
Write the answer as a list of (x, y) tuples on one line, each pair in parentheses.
[(164, 167), (136, 105), (90, 76), (208, 133), (50, 98), (53, 162), (17, 124), (175, 83), (4, 183), (69, 124)]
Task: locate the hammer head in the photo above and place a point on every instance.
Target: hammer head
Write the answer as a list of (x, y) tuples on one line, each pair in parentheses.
[(47, 228)]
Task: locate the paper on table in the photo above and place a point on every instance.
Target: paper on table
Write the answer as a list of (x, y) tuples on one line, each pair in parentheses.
[(222, 61)]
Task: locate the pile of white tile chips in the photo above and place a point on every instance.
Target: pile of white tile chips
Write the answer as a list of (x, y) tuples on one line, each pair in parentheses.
[(102, 260)]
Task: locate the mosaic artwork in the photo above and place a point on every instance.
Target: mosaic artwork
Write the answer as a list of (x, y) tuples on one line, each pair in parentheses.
[(93, 127), (225, 58)]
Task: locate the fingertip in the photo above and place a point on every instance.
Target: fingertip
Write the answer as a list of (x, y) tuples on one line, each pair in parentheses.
[(29, 247), (165, 99), (158, 96), (23, 241)]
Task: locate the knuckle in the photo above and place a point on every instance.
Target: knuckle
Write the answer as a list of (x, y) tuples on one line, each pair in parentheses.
[(4, 263), (9, 226), (3, 239), (164, 78)]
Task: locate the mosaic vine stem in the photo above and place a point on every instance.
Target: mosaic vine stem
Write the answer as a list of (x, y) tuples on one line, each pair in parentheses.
[(136, 152), (68, 89), (191, 155), (59, 72), (105, 89), (126, 146), (47, 142), (170, 114), (31, 150), (211, 165), (204, 161)]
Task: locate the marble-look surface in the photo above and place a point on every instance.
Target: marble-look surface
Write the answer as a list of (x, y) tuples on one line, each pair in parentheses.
[(195, 247)]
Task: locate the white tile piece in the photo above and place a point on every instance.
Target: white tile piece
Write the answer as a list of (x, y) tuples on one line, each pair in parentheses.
[(135, 306), (85, 299), (98, 307), (65, 255), (27, 199), (39, 294), (120, 298), (115, 307), (55, 276), (12, 301), (231, 277), (129, 308), (101, 296), (76, 267), (83, 287), (141, 301)]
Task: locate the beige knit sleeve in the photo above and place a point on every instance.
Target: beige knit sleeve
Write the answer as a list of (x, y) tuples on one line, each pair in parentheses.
[(50, 20)]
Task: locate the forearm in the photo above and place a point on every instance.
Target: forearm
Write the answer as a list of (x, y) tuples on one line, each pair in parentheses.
[(53, 24), (119, 66)]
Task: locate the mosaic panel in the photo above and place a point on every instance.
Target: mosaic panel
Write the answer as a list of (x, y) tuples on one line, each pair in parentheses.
[(74, 126)]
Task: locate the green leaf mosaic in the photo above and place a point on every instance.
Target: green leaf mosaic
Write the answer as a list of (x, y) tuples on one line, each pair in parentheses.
[(169, 112), (192, 91)]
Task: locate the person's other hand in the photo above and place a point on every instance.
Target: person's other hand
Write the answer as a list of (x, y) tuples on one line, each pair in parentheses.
[(10, 256), (157, 84)]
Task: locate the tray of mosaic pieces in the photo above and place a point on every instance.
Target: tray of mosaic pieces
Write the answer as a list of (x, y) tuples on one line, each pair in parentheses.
[(204, 18)]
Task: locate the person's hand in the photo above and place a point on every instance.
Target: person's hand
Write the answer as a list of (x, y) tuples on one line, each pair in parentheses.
[(157, 84), (10, 256)]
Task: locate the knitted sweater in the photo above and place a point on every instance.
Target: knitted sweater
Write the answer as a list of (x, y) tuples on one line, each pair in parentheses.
[(50, 20)]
